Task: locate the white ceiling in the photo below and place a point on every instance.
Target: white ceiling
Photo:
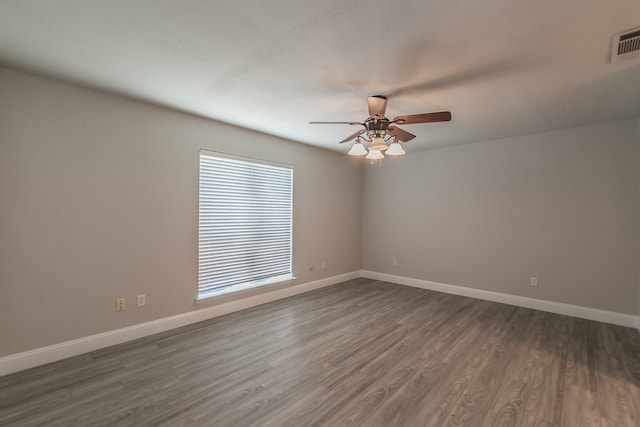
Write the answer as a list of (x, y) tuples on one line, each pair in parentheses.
[(502, 67)]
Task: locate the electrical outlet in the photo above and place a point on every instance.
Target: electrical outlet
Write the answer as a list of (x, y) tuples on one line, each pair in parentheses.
[(395, 262), (323, 265), (142, 300), (120, 304), (533, 281)]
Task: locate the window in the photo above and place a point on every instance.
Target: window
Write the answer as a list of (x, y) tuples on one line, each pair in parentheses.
[(245, 219)]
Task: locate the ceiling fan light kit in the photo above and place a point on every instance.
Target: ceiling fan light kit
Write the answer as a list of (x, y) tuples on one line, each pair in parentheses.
[(378, 144), (357, 149), (374, 155), (395, 149), (379, 130)]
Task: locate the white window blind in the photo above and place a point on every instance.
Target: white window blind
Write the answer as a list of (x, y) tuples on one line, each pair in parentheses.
[(245, 220)]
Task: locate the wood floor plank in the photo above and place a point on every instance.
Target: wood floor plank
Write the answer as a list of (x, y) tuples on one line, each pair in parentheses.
[(628, 343), (580, 392), (546, 399), (580, 407), (508, 407), (474, 404), (363, 353), (430, 393), (615, 398)]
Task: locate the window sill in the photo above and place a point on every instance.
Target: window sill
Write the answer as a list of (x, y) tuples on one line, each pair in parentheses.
[(244, 287)]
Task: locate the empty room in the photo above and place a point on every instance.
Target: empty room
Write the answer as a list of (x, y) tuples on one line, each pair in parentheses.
[(410, 213)]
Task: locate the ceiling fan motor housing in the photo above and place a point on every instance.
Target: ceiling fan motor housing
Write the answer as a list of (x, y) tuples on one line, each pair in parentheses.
[(376, 126)]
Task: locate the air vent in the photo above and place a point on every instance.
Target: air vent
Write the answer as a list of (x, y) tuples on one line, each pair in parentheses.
[(626, 45)]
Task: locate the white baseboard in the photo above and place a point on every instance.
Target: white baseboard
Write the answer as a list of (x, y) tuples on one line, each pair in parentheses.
[(40, 356), (537, 304)]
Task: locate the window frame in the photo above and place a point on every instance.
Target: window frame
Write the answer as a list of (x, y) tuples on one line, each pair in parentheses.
[(251, 284)]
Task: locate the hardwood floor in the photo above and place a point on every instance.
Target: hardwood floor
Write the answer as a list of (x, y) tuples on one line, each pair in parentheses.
[(362, 353)]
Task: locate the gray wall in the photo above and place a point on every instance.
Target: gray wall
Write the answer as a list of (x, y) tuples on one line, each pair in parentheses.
[(562, 206), (99, 198)]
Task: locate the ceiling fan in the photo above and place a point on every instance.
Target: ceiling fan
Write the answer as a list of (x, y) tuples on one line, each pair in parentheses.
[(379, 129)]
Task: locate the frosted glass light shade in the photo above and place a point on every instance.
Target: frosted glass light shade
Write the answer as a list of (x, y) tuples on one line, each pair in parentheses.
[(378, 144), (395, 149), (374, 155), (357, 149)]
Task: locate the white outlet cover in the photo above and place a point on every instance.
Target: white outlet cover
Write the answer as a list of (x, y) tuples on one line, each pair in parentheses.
[(141, 300)]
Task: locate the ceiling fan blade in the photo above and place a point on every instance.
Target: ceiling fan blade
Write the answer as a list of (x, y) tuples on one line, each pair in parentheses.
[(335, 123), (402, 135), (441, 116), (355, 135), (377, 105)]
